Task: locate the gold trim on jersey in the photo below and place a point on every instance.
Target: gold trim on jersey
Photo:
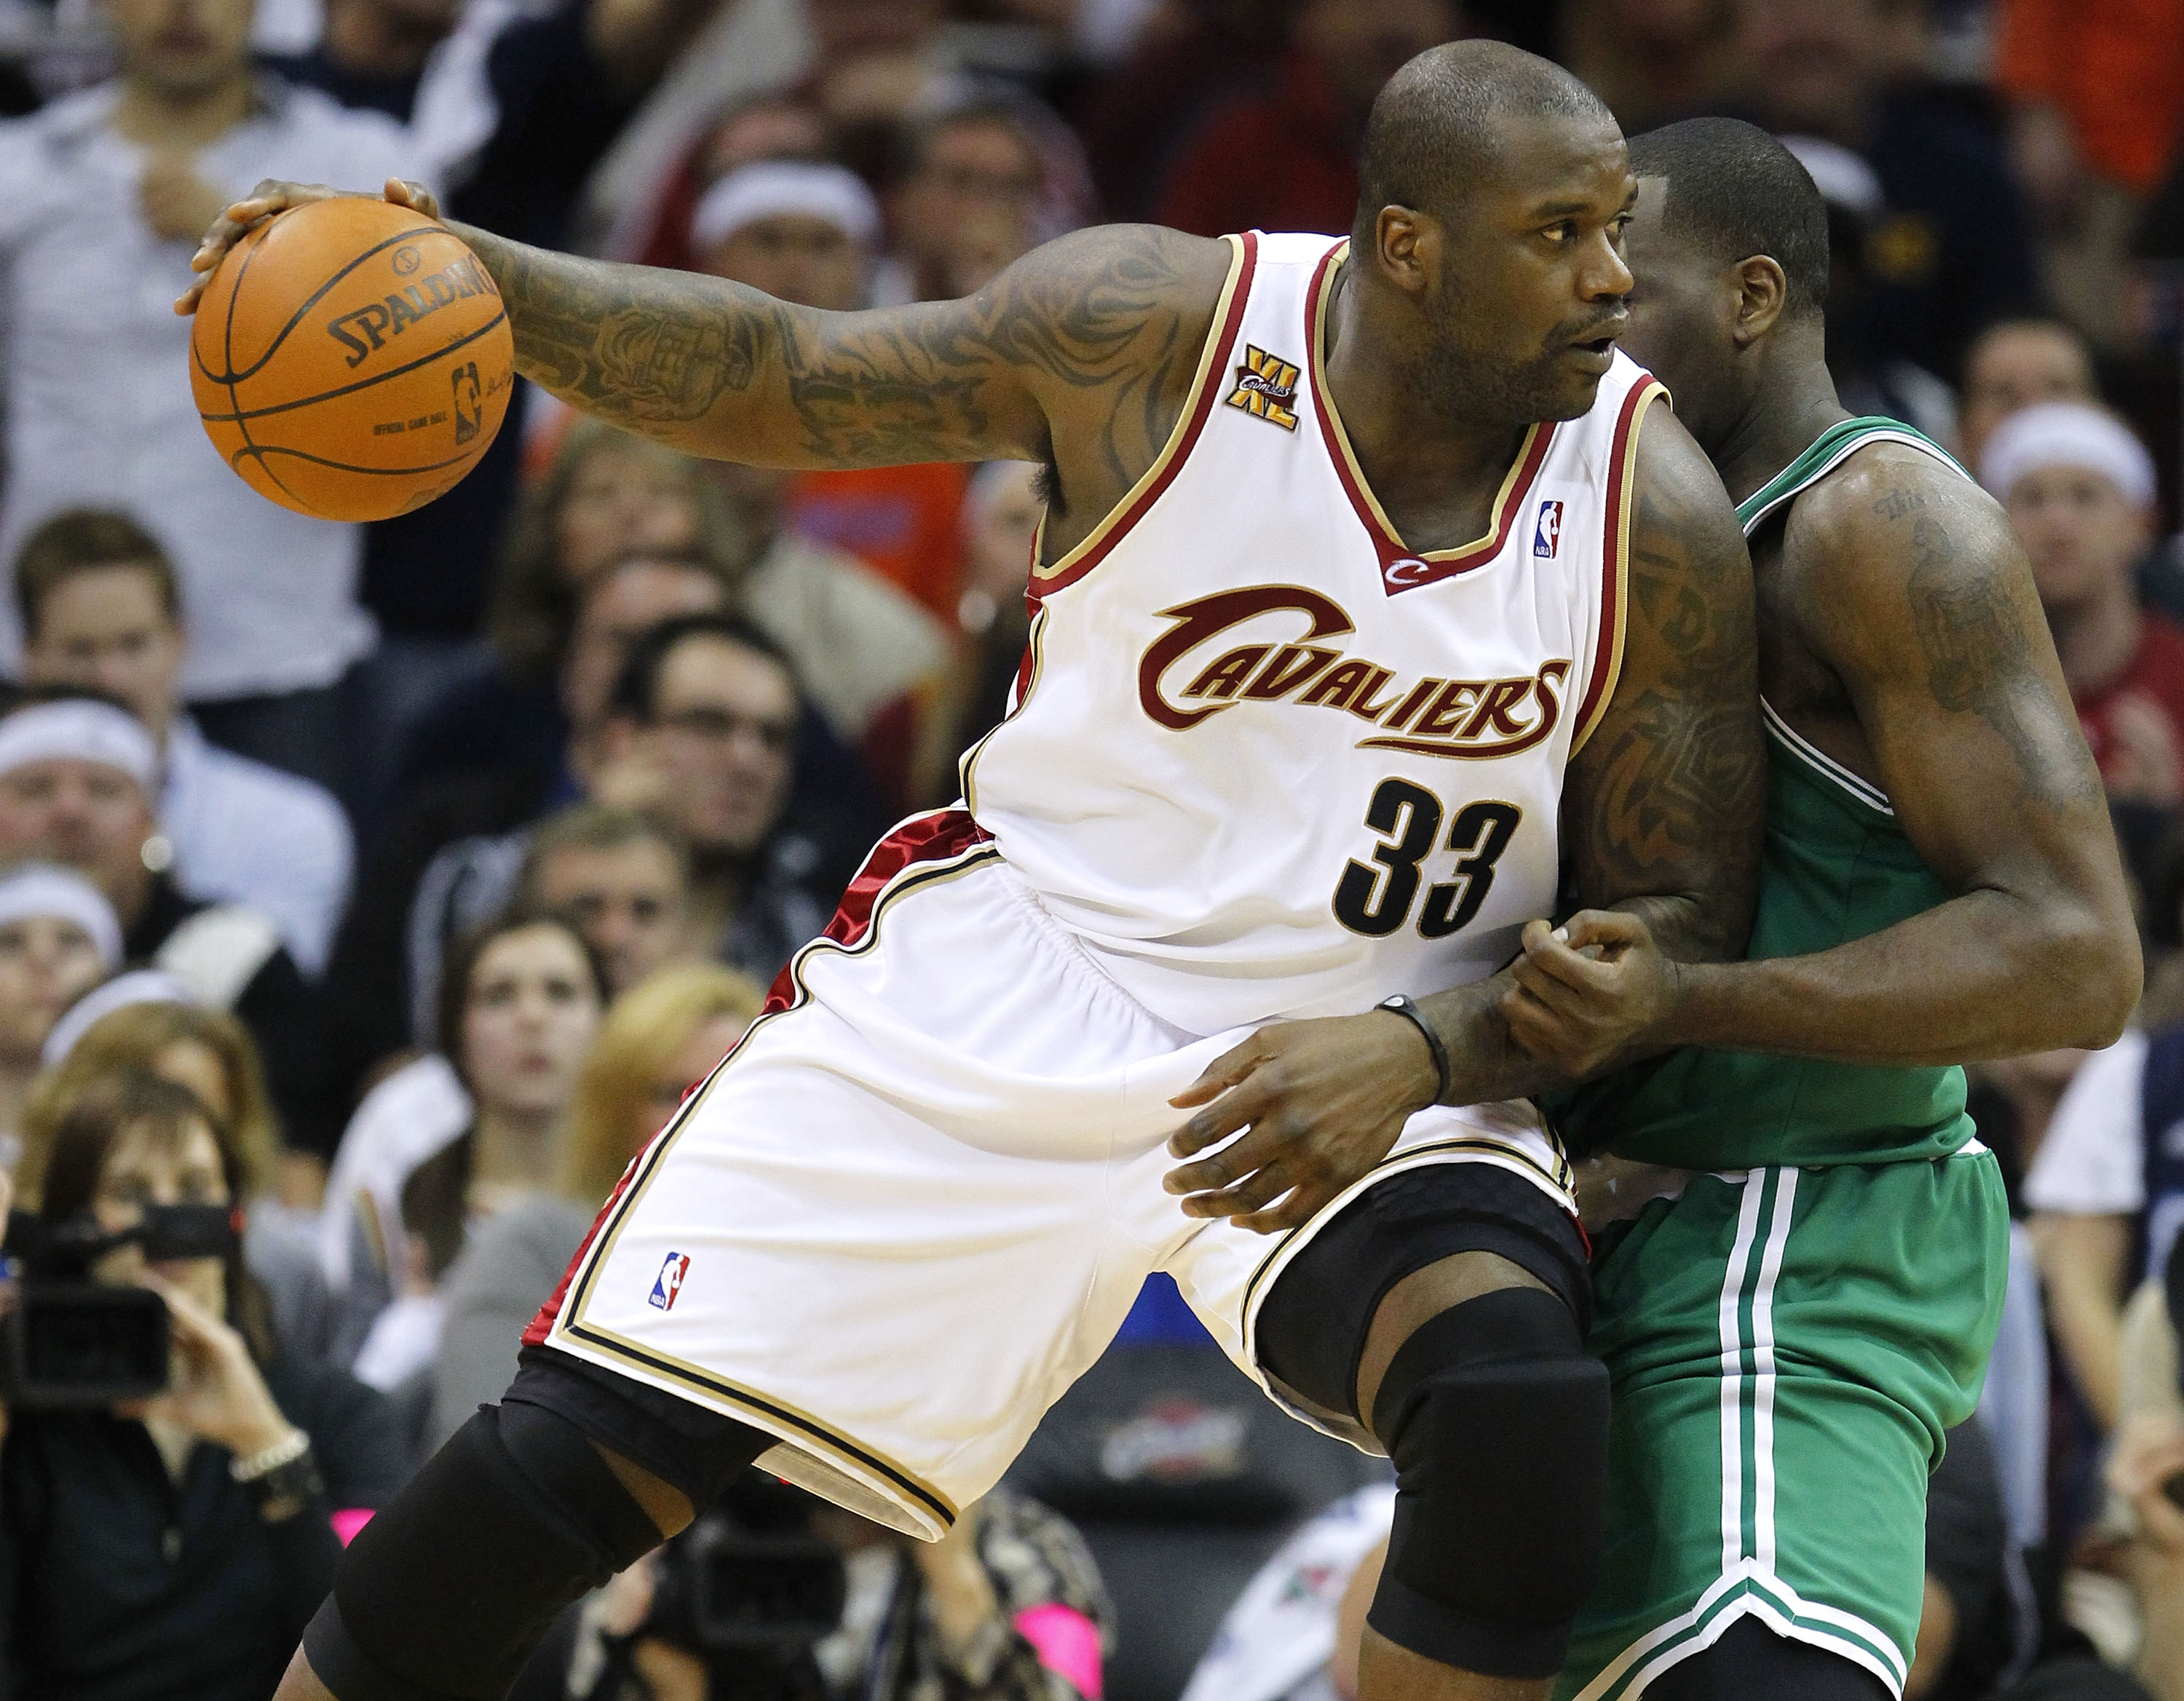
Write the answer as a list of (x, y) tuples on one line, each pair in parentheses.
[(1218, 335), (1498, 516)]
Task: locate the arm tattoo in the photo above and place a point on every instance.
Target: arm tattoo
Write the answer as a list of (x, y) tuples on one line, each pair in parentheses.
[(1666, 800), (1117, 310), (657, 352), (1979, 655)]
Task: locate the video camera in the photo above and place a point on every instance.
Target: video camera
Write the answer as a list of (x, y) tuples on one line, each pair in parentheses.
[(750, 1589), (70, 1343)]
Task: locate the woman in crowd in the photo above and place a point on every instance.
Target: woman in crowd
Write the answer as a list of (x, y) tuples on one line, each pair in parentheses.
[(519, 1003), (661, 1037), (59, 939), (211, 1053), (176, 1546)]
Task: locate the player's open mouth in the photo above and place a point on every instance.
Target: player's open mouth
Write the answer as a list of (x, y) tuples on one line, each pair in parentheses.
[(1595, 356)]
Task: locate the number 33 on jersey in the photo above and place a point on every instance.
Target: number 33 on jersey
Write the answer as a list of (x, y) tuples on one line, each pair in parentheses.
[(1264, 759)]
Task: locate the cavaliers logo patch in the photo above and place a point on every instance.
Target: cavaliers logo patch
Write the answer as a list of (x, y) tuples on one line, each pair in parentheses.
[(1266, 385)]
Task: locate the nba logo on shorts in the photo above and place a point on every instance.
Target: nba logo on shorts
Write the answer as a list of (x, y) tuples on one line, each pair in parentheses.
[(1547, 536), (669, 1282)]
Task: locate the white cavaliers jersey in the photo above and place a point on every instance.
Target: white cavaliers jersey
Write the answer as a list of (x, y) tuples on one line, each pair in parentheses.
[(1265, 760)]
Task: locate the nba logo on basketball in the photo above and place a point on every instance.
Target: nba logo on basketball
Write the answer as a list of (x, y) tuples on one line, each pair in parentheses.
[(669, 1282), (1547, 537)]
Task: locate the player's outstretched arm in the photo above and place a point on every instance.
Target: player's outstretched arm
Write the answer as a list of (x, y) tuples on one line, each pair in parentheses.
[(1663, 813), (1911, 584), (1080, 354)]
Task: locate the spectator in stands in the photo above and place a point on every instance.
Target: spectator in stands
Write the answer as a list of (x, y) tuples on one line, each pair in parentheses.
[(2012, 365), (801, 232), (704, 723), (101, 608), (1651, 63), (211, 1053), (524, 994), (2107, 1193), (776, 124), (1008, 1606), (453, 859), (76, 779), (1950, 253), (1282, 155), (623, 877), (178, 1547), (2146, 1477), (105, 193), (1133, 122), (659, 1040), (982, 183), (2079, 489), (59, 939), (1869, 379), (868, 657), (605, 496), (512, 106), (2097, 90)]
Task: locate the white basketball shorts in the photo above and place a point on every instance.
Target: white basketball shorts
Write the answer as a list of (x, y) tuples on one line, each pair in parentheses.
[(917, 1201)]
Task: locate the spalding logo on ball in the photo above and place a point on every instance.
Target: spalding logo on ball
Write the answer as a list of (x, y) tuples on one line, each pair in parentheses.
[(351, 360)]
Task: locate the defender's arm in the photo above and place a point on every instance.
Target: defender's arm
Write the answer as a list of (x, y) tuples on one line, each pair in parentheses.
[(1663, 813), (1079, 353), (1913, 587)]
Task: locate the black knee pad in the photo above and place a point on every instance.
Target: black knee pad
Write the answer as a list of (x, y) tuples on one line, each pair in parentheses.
[(443, 1596), (1497, 1423)]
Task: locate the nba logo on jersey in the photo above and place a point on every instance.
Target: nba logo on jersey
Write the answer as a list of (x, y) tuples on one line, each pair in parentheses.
[(1547, 536), (669, 1282)]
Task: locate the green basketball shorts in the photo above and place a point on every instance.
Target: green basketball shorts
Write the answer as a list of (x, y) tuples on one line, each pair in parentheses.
[(1786, 1349)]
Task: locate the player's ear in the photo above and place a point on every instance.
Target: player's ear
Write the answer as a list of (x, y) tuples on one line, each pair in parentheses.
[(1762, 291), (1409, 248)]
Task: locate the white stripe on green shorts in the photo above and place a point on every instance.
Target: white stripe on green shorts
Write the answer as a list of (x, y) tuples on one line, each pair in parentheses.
[(1747, 1584)]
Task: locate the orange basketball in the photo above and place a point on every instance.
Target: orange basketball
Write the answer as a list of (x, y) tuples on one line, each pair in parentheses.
[(351, 360)]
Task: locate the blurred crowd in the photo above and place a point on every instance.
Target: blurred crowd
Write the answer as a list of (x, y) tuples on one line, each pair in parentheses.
[(386, 887)]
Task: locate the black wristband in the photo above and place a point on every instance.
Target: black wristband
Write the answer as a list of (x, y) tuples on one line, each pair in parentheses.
[(1405, 1007)]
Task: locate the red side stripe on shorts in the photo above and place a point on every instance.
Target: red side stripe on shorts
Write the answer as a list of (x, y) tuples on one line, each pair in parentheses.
[(928, 838)]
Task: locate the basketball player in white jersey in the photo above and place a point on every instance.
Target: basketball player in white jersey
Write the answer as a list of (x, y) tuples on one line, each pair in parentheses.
[(1376, 597)]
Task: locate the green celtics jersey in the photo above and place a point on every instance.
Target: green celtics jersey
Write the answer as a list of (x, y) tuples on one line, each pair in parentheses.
[(1836, 867)]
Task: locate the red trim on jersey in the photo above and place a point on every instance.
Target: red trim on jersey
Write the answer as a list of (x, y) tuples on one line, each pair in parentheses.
[(1400, 569), (1613, 556), (1116, 526), (925, 838)]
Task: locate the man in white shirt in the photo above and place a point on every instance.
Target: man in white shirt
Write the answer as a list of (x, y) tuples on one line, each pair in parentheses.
[(102, 195), (100, 607), (2106, 1195)]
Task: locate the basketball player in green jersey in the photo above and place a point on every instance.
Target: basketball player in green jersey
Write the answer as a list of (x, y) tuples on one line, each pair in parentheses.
[(1791, 1333)]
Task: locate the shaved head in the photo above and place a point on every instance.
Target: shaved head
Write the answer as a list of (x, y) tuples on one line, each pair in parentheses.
[(1437, 128)]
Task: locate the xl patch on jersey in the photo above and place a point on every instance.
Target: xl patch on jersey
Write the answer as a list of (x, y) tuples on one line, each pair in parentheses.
[(1266, 385)]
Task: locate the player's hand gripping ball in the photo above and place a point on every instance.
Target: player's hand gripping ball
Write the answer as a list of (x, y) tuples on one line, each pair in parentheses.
[(351, 358)]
